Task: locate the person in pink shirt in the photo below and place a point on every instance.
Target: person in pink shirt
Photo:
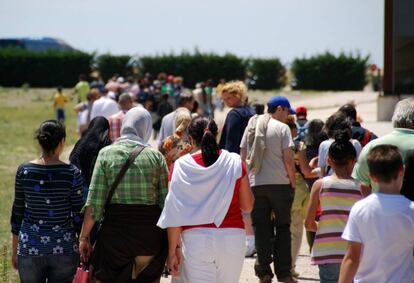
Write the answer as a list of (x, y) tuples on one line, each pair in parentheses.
[(115, 121)]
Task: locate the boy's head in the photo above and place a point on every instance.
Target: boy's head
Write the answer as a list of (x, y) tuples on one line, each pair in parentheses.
[(59, 89), (385, 164)]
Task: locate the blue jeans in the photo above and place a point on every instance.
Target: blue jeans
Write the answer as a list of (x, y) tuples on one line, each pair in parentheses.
[(54, 268), (329, 273), (60, 114)]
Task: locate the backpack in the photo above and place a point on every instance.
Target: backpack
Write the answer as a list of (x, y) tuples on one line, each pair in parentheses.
[(302, 127)]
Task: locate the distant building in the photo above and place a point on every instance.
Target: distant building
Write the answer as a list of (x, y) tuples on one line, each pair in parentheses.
[(398, 55), (36, 44)]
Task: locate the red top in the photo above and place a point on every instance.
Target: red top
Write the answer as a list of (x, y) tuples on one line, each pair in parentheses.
[(233, 218)]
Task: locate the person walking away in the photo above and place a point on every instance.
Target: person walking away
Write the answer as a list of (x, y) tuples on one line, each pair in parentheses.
[(45, 214), (301, 122), (129, 246), (234, 95), (314, 136), (300, 201), (86, 149), (402, 137), (337, 122), (60, 99), (359, 133), (125, 103), (177, 144), (208, 191), (104, 106), (272, 176), (336, 194), (168, 122), (163, 108), (81, 88), (84, 111), (381, 225)]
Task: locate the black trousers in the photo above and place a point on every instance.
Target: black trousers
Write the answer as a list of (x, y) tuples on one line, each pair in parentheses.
[(271, 223)]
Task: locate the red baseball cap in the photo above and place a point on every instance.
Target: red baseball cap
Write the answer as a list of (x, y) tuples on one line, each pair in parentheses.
[(301, 110)]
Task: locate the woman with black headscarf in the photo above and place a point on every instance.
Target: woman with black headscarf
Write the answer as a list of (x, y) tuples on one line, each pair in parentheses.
[(87, 148)]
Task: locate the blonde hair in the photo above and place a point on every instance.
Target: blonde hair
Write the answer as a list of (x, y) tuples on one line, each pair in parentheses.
[(183, 118), (236, 88)]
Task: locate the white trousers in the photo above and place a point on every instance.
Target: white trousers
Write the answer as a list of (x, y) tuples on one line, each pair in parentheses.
[(212, 255)]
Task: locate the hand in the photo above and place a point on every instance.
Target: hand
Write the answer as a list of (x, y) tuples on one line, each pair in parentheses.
[(85, 250), (174, 262), (14, 261)]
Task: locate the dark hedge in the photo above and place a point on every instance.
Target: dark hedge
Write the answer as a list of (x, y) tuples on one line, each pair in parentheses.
[(44, 69), (330, 72), (267, 73)]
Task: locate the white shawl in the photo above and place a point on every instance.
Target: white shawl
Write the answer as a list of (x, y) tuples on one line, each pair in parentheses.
[(200, 195)]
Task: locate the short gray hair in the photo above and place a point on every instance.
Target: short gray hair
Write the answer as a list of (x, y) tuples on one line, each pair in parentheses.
[(403, 116)]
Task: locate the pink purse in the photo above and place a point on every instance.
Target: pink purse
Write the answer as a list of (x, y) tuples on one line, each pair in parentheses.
[(81, 275)]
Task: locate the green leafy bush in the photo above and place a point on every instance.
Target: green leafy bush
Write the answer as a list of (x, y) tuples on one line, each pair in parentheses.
[(196, 67), (42, 69), (266, 73), (330, 72), (111, 64)]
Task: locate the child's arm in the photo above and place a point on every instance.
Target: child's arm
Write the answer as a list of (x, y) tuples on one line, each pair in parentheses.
[(350, 263), (304, 165), (310, 223)]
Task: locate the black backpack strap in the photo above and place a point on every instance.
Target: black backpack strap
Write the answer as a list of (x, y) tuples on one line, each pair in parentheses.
[(121, 174)]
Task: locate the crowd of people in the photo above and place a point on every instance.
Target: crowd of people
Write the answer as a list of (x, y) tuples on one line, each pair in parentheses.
[(207, 197)]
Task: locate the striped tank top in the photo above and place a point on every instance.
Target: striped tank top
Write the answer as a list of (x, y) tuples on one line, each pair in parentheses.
[(336, 198)]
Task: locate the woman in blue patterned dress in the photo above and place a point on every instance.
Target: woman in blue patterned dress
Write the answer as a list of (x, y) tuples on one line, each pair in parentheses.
[(45, 215)]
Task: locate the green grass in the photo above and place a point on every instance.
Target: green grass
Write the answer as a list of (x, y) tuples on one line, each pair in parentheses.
[(21, 112)]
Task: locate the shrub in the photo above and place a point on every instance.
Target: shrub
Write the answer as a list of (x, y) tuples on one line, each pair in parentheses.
[(196, 67), (328, 72), (266, 73), (111, 64), (42, 69)]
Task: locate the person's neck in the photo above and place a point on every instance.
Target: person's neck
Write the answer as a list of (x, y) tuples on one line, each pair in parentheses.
[(389, 189), (49, 159), (342, 173)]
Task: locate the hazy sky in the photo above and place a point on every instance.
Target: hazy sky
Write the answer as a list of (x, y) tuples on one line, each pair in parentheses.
[(265, 28)]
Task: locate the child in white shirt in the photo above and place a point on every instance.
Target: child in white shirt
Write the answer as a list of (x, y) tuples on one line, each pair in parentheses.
[(380, 228)]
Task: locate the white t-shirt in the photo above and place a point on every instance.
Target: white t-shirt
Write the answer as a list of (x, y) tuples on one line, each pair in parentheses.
[(273, 170), (105, 107), (324, 149), (384, 224)]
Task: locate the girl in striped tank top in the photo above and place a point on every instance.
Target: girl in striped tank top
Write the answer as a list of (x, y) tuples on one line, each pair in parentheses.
[(336, 194)]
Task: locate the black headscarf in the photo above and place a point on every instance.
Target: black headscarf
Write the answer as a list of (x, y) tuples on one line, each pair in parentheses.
[(86, 150)]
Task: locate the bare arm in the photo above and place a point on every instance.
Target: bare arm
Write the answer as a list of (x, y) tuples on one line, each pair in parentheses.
[(174, 250), (290, 165), (304, 165), (350, 263), (246, 197), (85, 248), (310, 223), (243, 153)]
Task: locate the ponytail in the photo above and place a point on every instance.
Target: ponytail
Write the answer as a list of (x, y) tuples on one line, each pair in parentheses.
[(342, 150), (204, 133)]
